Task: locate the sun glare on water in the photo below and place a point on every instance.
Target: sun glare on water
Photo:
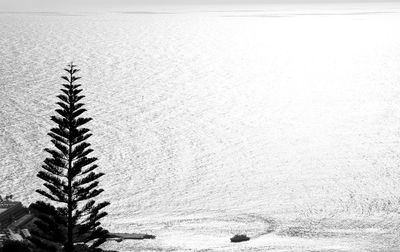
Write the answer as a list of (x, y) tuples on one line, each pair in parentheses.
[(212, 123)]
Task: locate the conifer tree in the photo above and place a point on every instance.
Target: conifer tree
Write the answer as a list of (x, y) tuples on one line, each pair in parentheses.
[(70, 179)]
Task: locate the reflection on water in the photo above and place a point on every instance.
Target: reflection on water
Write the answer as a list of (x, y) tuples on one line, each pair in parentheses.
[(207, 126)]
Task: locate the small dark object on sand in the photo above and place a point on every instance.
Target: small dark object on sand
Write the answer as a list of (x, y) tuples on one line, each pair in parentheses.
[(240, 238)]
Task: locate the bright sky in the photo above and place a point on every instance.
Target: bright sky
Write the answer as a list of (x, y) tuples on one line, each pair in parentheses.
[(34, 5)]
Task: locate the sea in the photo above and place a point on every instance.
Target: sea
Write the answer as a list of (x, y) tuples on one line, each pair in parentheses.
[(281, 122)]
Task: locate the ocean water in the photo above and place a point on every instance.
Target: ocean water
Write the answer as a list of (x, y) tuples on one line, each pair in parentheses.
[(282, 124)]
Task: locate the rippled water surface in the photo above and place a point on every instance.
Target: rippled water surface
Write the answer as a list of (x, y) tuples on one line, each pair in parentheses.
[(209, 124)]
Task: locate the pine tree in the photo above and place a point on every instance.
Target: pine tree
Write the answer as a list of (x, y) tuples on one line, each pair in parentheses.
[(70, 179)]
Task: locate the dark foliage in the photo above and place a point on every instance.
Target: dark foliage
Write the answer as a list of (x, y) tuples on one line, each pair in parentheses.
[(70, 180), (15, 246)]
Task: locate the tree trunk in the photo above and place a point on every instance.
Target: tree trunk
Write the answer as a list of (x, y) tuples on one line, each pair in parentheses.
[(70, 244)]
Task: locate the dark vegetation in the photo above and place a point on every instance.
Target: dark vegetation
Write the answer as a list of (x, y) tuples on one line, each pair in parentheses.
[(72, 221), (15, 246), (69, 218)]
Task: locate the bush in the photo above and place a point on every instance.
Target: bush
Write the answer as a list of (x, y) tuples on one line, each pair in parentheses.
[(15, 246)]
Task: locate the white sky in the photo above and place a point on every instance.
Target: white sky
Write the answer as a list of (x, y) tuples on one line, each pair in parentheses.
[(35, 5)]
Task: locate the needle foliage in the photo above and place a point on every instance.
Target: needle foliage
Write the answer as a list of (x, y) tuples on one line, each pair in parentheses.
[(71, 182)]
